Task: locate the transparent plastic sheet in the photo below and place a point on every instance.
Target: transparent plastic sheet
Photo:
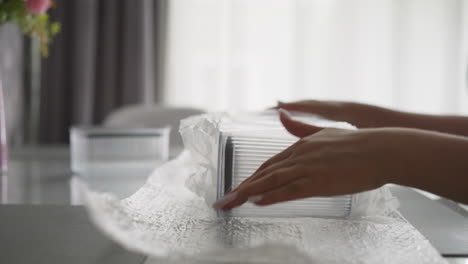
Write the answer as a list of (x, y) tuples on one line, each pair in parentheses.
[(169, 220), (171, 224)]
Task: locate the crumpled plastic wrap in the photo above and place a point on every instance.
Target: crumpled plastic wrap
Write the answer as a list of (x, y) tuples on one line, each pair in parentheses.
[(173, 224)]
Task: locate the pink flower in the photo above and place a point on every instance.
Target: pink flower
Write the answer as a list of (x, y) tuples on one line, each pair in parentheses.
[(38, 6)]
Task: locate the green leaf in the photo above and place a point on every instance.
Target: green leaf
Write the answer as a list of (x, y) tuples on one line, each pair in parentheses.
[(35, 26)]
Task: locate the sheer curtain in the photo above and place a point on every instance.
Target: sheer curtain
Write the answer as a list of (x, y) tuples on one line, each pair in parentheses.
[(246, 54)]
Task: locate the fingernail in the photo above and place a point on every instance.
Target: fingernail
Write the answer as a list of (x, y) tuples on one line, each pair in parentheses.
[(225, 200), (281, 110), (255, 198)]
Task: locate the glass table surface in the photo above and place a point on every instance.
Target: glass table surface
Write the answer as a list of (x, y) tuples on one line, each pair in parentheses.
[(42, 176)]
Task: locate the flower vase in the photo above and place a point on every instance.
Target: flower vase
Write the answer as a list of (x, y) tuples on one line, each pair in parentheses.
[(3, 146), (10, 87)]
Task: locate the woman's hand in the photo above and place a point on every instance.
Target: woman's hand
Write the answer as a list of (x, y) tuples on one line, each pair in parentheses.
[(369, 116), (329, 161), (360, 115)]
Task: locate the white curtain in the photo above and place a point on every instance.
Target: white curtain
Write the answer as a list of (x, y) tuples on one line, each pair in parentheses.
[(246, 54)]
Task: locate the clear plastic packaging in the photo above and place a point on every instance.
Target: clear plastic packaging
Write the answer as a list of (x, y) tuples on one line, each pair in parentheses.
[(170, 224), (100, 150), (170, 219)]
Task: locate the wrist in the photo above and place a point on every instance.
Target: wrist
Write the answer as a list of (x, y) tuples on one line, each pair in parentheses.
[(431, 161)]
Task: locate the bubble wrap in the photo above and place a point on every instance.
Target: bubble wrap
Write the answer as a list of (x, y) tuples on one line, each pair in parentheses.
[(171, 224)]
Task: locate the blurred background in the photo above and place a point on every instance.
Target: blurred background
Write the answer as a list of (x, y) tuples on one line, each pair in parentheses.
[(232, 55), (150, 63)]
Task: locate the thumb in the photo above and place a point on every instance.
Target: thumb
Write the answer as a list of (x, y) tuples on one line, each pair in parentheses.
[(297, 128)]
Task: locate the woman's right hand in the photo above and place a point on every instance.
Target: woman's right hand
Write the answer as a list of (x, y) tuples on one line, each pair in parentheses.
[(360, 115), (330, 161)]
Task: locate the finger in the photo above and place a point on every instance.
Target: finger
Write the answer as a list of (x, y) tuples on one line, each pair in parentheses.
[(267, 183), (294, 190), (299, 106), (309, 106), (270, 163), (297, 128), (313, 185), (278, 158), (277, 106), (272, 180), (260, 173), (231, 203), (294, 127)]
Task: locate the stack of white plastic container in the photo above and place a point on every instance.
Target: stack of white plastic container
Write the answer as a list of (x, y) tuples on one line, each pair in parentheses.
[(244, 144)]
